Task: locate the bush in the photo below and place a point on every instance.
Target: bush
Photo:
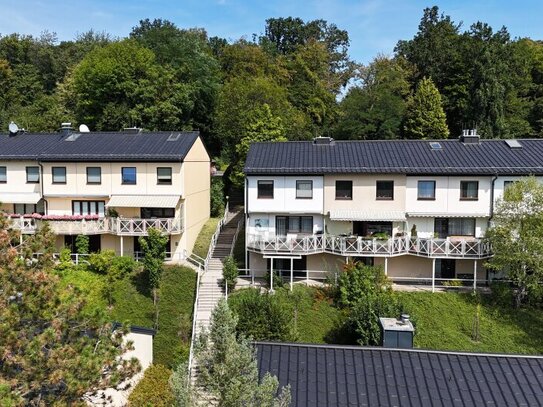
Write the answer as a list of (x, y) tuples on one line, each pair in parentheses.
[(452, 283), (357, 280), (230, 272), (101, 262), (121, 267), (82, 244), (217, 197), (263, 317), (154, 389), (363, 321)]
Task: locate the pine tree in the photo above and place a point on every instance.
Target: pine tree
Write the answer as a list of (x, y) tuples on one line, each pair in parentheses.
[(425, 118)]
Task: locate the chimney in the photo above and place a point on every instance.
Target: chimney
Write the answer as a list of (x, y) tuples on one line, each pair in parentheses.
[(470, 137), (66, 129), (397, 333), (132, 130), (323, 141)]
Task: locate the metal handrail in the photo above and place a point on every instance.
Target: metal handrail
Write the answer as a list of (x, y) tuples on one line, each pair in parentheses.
[(194, 319)]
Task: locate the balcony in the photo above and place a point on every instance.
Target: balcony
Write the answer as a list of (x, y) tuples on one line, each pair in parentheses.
[(105, 225), (362, 246), (139, 227), (24, 225), (80, 227)]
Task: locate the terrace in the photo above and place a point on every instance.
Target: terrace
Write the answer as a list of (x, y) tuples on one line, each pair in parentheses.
[(452, 247)]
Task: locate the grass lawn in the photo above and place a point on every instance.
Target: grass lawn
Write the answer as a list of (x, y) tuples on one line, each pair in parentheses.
[(201, 245), (445, 321), (133, 303)]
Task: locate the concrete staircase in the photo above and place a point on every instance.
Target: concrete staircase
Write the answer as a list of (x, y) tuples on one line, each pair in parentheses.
[(225, 241)]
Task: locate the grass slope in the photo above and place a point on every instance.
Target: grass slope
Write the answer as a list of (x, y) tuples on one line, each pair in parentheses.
[(201, 246), (445, 321)]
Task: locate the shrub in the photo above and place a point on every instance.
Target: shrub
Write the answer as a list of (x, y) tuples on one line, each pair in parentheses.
[(101, 262), (363, 321), (357, 280), (262, 316), (277, 280), (82, 244), (122, 266), (217, 196), (230, 272), (154, 389), (65, 260), (452, 283)]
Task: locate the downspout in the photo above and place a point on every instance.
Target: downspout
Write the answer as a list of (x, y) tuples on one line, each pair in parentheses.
[(46, 204), (492, 198)]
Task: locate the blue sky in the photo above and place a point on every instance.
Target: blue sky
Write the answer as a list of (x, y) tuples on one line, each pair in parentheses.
[(374, 26)]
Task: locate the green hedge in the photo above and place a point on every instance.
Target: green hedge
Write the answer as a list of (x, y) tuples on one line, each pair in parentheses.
[(153, 390)]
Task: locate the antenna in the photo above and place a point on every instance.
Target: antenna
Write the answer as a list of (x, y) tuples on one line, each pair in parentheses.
[(13, 128), (83, 128)]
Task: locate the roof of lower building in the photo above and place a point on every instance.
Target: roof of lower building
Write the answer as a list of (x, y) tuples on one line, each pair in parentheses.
[(446, 157), (166, 146), (324, 375)]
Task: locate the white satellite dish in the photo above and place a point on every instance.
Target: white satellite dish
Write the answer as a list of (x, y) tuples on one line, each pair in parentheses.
[(83, 128), (13, 128)]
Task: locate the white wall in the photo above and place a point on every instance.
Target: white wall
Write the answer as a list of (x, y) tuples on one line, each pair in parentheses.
[(76, 180), (284, 195), (447, 197), (425, 226), (262, 218), (16, 177), (499, 185)]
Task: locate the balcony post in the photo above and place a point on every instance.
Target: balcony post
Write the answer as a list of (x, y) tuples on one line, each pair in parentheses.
[(122, 248), (386, 266), (271, 275), (291, 272), (433, 275), (474, 275)]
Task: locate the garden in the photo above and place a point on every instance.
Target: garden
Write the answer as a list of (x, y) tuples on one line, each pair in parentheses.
[(348, 314)]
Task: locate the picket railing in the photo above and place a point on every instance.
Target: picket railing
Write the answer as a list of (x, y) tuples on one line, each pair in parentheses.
[(357, 245)]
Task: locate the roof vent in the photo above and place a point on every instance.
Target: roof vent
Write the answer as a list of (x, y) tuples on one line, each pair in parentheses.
[(470, 137), (66, 129), (323, 141), (513, 144), (132, 130), (173, 137)]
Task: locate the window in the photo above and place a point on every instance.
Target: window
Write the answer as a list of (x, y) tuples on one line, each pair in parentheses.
[(385, 190), (3, 175), (265, 189), (445, 227), (426, 190), (164, 175), (59, 175), (94, 175), (469, 190), (33, 175), (344, 190), (304, 189), (88, 208), (150, 213), (29, 209), (129, 175), (293, 224)]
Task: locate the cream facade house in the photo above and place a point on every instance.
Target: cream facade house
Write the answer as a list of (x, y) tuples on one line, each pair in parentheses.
[(110, 186), (418, 208)]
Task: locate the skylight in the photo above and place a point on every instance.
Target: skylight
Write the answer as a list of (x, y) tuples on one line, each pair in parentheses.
[(513, 143), (174, 137), (434, 145), (72, 137)]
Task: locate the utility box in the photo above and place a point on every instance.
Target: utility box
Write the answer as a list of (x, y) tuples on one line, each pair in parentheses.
[(397, 333)]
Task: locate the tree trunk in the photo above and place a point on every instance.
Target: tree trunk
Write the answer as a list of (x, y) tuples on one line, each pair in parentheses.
[(519, 296)]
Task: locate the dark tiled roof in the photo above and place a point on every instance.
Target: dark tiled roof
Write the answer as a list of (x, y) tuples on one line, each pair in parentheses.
[(107, 146), (357, 376), (396, 156)]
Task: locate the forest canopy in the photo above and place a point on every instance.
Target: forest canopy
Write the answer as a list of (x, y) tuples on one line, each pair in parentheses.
[(446, 78)]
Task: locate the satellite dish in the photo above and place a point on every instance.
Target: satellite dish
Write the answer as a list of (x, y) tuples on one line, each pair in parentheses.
[(83, 128), (13, 128)]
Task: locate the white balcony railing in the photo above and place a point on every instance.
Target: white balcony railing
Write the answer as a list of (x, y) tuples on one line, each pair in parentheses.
[(24, 225), (116, 226), (80, 227), (357, 245), (139, 227)]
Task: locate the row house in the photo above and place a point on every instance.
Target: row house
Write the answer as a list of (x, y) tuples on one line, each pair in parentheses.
[(111, 186), (419, 208)]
